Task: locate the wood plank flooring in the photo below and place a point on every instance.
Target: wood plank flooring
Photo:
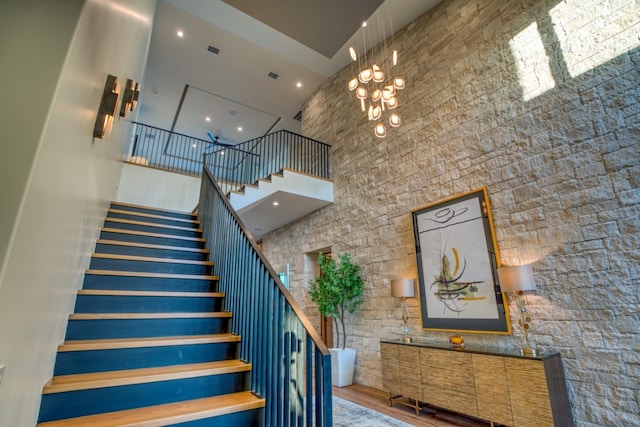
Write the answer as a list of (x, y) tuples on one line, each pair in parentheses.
[(377, 400)]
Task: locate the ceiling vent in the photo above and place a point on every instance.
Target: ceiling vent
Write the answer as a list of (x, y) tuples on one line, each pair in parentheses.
[(272, 75), (213, 50), (298, 116)]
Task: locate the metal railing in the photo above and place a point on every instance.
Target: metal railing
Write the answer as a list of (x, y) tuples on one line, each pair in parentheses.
[(166, 150), (291, 366), (245, 163)]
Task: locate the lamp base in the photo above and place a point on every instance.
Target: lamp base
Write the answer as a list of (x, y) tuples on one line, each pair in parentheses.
[(406, 340), (532, 352)]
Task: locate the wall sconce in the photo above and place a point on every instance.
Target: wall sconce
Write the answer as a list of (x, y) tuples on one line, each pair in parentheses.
[(403, 288), (130, 97), (107, 109), (517, 280)]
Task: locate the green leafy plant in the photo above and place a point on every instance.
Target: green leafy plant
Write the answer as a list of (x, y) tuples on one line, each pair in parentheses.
[(337, 290)]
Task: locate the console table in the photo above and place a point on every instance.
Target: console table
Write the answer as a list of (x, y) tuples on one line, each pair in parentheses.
[(498, 386)]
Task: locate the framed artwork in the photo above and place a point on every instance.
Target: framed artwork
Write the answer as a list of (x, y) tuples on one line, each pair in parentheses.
[(457, 266)]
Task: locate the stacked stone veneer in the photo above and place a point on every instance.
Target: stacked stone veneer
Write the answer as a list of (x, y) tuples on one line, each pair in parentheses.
[(561, 165)]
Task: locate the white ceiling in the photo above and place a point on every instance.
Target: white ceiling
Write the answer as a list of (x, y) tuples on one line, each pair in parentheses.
[(184, 83)]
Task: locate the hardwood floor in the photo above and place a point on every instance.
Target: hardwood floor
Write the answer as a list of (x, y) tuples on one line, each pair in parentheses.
[(377, 400)]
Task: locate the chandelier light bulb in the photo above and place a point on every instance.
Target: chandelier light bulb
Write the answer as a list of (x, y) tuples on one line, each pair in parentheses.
[(394, 120), (395, 57), (398, 83), (353, 84), (375, 112), (392, 102), (380, 130), (361, 92), (366, 75), (386, 95), (376, 95), (378, 75), (352, 52)]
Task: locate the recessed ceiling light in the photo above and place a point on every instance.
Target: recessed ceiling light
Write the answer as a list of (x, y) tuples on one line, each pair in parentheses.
[(208, 119), (180, 33), (299, 84), (239, 128), (275, 203), (364, 24)]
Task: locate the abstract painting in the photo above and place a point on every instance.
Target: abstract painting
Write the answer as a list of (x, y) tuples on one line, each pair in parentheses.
[(457, 266)]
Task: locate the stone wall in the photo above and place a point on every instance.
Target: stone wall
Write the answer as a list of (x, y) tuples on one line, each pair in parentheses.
[(539, 102)]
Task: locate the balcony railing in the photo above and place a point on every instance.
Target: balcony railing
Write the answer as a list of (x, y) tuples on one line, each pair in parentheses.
[(231, 166), (291, 365), (170, 151), (249, 161)]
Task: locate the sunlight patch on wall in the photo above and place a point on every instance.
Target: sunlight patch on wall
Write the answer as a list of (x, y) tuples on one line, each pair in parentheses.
[(534, 71), (587, 42)]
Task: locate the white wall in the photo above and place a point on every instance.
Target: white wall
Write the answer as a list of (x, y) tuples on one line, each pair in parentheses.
[(56, 180), (141, 185)]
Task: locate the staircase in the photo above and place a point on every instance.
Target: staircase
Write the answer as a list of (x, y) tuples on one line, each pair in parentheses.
[(148, 343), (298, 193)]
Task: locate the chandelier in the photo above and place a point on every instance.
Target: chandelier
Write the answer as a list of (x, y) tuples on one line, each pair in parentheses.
[(378, 94)]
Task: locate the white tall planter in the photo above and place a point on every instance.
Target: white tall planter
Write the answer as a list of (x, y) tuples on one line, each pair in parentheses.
[(342, 365)]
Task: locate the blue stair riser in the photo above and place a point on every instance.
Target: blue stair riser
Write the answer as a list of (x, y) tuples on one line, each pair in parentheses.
[(152, 211), (146, 304), (151, 229), (149, 266), (87, 402), (163, 221), (99, 281), (82, 362), (102, 248), (144, 328), (153, 240), (253, 418)]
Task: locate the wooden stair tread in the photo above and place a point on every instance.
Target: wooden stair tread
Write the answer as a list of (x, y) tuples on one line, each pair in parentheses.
[(163, 315), (152, 224), (148, 215), (171, 413), (151, 259), (150, 246), (153, 275), (109, 292), (148, 234), (131, 205), (121, 343), (75, 382)]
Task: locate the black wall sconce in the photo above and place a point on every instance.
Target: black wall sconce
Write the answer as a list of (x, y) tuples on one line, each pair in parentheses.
[(107, 109), (130, 97)]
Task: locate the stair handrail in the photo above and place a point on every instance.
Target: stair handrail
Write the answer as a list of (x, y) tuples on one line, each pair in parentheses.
[(291, 366)]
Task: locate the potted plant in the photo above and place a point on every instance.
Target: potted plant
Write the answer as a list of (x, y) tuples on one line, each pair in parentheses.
[(337, 291)]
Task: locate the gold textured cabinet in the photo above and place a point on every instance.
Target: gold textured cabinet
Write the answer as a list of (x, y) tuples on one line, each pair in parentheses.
[(492, 389), (447, 380), (501, 387)]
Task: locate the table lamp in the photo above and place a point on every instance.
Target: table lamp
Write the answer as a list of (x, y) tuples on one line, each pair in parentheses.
[(403, 288), (518, 279)]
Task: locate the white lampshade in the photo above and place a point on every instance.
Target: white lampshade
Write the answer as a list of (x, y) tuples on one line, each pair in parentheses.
[(402, 288), (517, 278)]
